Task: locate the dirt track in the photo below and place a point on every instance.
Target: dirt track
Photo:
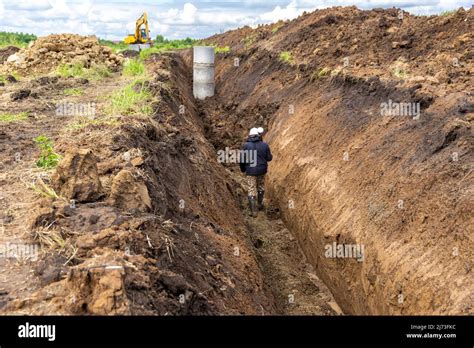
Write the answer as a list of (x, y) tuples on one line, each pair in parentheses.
[(158, 226)]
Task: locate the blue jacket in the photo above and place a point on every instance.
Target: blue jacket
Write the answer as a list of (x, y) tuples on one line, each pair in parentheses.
[(255, 157)]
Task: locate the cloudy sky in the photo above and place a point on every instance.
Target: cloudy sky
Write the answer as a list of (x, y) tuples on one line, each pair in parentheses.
[(176, 19)]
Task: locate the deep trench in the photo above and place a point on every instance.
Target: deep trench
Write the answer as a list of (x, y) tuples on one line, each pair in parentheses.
[(290, 280)]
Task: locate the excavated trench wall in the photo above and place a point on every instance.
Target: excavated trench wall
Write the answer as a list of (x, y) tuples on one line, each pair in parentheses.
[(344, 175)]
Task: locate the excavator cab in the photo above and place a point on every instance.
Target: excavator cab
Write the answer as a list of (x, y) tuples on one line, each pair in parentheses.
[(141, 39)]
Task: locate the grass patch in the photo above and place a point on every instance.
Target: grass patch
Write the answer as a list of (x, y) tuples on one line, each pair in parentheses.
[(147, 52), (134, 67), (222, 50), (249, 40), (98, 72), (77, 70), (73, 91), (276, 28), (165, 46), (400, 72), (83, 122), (115, 46), (43, 190), (160, 44), (48, 158), (287, 57), (320, 74), (447, 13), (71, 70), (3, 78), (132, 100), (9, 117)]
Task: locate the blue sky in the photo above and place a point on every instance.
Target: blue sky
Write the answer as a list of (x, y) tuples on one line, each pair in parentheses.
[(177, 19)]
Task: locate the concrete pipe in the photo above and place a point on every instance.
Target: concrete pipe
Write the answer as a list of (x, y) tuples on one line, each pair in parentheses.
[(203, 74)]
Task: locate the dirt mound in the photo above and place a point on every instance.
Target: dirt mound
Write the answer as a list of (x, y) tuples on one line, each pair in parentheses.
[(397, 185), (7, 52), (48, 52)]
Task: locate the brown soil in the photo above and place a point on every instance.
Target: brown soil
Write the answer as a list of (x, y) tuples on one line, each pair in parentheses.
[(144, 220), (7, 52), (136, 238), (398, 186)]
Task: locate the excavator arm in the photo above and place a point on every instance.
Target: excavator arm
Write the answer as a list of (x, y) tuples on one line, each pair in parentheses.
[(143, 35), (142, 32)]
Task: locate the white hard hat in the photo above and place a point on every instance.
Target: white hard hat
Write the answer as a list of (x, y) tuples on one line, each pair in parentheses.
[(253, 131), (260, 130)]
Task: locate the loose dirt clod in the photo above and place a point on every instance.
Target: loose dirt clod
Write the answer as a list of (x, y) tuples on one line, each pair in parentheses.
[(76, 177), (7, 52), (129, 194)]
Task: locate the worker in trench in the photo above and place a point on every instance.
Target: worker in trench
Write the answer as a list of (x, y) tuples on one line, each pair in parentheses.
[(254, 159)]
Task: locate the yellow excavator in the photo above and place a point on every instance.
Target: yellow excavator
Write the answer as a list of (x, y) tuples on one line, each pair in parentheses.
[(141, 39)]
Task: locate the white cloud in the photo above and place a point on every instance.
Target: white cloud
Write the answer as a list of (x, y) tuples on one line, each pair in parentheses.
[(38, 5), (188, 16), (292, 10), (199, 18)]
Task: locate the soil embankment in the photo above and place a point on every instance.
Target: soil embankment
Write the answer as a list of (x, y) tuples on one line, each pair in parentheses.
[(397, 185), (143, 219)]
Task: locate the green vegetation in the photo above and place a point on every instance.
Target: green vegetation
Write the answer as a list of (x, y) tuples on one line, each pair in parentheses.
[(276, 28), (222, 50), (48, 158), (71, 70), (134, 67), (248, 40), (3, 78), (15, 39), (400, 72), (286, 57), (162, 45), (77, 70), (160, 40), (9, 117), (447, 13), (320, 73), (73, 91), (44, 190), (159, 45), (133, 100), (115, 46), (82, 122)]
